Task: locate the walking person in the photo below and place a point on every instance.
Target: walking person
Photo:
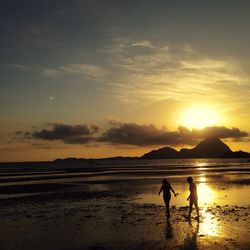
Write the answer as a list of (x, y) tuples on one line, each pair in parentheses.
[(166, 187), (193, 198)]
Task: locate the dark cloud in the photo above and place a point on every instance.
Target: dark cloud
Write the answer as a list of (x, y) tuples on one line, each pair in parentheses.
[(140, 135), (20, 134), (145, 135), (132, 134), (72, 134), (221, 132)]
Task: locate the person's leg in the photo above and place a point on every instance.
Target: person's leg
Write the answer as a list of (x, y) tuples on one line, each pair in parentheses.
[(167, 200), (196, 208), (190, 207), (167, 209)]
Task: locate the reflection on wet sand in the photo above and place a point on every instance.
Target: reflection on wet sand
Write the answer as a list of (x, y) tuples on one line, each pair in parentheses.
[(169, 230), (206, 194), (208, 223), (190, 242), (107, 208)]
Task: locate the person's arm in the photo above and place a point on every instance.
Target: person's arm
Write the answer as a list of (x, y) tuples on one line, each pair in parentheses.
[(173, 190), (160, 190)]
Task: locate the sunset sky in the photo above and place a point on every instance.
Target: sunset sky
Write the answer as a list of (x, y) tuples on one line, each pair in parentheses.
[(106, 78)]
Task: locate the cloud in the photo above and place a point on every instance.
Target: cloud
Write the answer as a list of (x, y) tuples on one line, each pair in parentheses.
[(146, 71), (146, 135), (83, 69), (21, 67), (221, 132), (131, 134), (51, 72), (144, 43), (70, 134), (143, 71)]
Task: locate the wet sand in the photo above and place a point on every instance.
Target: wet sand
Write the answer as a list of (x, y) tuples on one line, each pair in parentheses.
[(117, 221), (105, 208)]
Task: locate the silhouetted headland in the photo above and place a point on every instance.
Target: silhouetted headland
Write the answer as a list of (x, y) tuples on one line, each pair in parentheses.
[(208, 148), (71, 160)]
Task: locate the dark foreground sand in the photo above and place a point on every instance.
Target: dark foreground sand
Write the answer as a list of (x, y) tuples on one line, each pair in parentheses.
[(107, 220), (113, 205)]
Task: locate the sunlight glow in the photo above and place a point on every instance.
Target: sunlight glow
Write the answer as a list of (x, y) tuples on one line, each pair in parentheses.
[(202, 179), (205, 194), (199, 117), (208, 225), (200, 167)]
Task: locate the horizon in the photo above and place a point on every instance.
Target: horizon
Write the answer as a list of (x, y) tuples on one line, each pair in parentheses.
[(94, 79), (141, 156)]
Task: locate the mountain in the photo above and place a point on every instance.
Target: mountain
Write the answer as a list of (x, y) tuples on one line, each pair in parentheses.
[(236, 154), (79, 161), (162, 153), (208, 148)]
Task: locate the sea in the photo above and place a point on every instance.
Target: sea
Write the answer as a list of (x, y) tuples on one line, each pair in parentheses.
[(219, 181)]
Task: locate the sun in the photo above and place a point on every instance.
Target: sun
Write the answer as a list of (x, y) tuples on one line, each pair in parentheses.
[(199, 117)]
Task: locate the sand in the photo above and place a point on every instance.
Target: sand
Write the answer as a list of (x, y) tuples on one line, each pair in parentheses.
[(115, 205), (107, 220)]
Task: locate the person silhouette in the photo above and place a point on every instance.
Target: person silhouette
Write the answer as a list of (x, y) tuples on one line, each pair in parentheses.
[(193, 198), (166, 187)]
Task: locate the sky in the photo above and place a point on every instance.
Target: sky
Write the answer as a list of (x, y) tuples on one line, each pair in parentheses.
[(101, 78)]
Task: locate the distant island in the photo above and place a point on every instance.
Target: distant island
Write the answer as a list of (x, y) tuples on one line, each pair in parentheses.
[(208, 148)]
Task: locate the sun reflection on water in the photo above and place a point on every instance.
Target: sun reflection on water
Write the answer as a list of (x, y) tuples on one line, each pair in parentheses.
[(201, 166), (206, 195), (202, 179), (208, 224)]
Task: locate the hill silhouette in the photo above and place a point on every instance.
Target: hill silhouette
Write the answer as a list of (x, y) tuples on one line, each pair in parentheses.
[(162, 153), (209, 148)]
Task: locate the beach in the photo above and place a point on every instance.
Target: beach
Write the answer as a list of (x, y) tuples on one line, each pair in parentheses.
[(114, 205), (117, 117)]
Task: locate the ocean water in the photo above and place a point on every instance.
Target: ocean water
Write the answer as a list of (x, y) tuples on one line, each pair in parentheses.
[(219, 181)]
